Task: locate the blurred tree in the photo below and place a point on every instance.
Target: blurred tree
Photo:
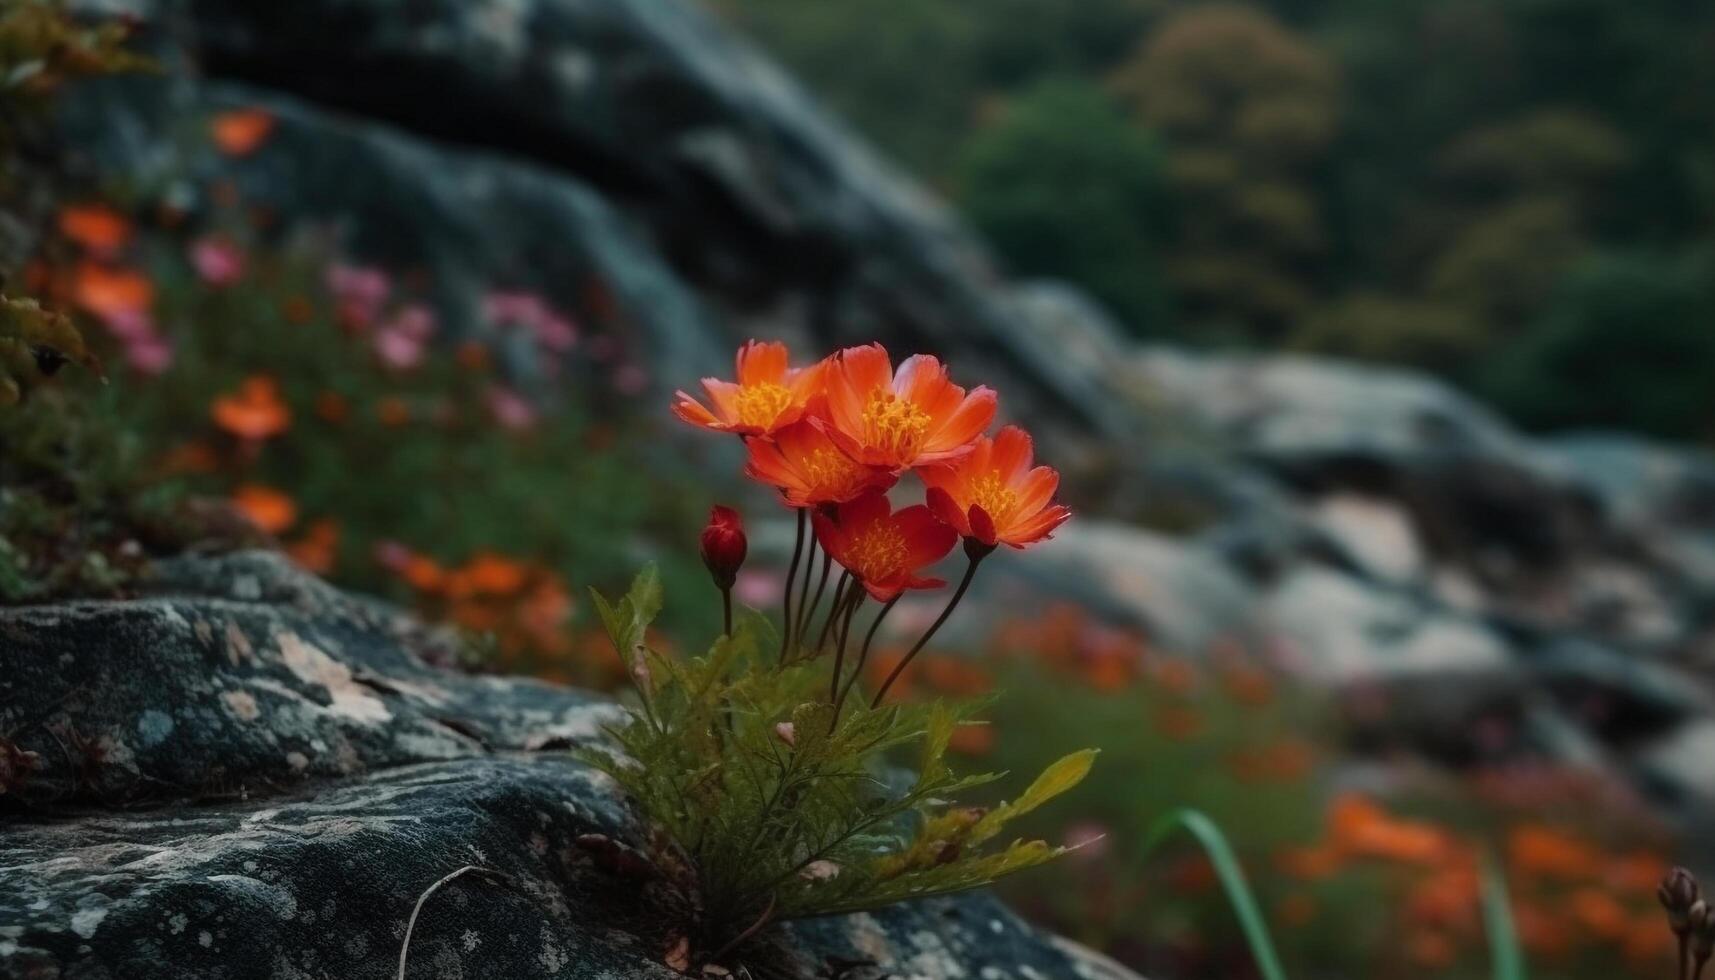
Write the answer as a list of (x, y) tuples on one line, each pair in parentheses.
[(1064, 185), (868, 58), (1247, 109), (1625, 341)]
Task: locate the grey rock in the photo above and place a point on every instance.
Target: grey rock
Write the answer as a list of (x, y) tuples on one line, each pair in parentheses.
[(241, 674), (288, 870)]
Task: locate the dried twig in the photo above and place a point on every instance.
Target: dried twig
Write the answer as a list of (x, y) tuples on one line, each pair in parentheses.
[(410, 926)]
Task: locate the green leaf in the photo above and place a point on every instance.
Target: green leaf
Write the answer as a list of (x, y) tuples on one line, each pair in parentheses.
[(1498, 924), (645, 596), (1233, 882), (1059, 777)]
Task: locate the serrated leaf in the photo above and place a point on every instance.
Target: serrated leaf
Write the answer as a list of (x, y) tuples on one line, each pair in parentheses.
[(1059, 777)]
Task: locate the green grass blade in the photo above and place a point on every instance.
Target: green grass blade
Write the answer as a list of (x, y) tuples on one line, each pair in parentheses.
[(1498, 923), (1233, 882)]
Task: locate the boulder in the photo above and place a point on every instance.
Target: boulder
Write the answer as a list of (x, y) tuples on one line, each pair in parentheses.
[(246, 773)]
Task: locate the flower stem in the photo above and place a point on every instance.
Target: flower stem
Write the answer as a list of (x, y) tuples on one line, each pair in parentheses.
[(863, 655), (976, 557), (833, 612), (798, 624), (853, 601), (807, 615), (792, 573), (726, 611)]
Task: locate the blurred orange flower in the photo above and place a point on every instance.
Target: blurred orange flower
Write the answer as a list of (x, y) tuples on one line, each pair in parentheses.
[(911, 417), (96, 227), (486, 574), (767, 396), (318, 549), (1360, 827), (975, 740), (994, 495), (112, 294), (266, 507), (392, 412), (1537, 849), (884, 550), (240, 132), (255, 411), (803, 462)]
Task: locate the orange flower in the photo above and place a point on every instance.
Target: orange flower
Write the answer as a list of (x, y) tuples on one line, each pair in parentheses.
[(96, 227), (266, 507), (884, 550), (1599, 913), (1537, 850), (487, 574), (318, 549), (809, 468), (423, 573), (767, 396), (975, 740), (241, 131), (112, 293), (993, 494), (255, 411), (911, 417), (392, 411), (1362, 828)]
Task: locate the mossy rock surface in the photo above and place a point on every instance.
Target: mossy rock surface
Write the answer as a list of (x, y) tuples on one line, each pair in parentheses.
[(247, 773)]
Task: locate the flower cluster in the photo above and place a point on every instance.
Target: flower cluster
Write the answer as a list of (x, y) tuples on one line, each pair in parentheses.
[(834, 437)]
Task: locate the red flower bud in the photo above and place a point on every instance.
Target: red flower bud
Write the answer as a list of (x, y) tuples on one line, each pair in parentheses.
[(724, 545)]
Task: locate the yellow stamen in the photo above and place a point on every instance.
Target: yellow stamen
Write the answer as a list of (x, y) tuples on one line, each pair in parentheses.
[(895, 424), (828, 473), (761, 404), (992, 494), (876, 551)]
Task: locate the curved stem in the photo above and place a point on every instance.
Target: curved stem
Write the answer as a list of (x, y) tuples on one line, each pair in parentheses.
[(807, 615), (798, 624), (863, 654), (853, 601), (833, 612), (792, 573), (953, 603), (755, 927)]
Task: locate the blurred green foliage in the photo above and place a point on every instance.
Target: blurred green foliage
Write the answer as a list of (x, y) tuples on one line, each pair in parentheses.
[(1454, 185), (1067, 187)]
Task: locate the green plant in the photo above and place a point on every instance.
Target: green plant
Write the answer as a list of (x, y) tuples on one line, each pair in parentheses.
[(775, 804)]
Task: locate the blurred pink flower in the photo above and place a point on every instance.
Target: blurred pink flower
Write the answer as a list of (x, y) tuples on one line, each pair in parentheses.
[(129, 324), (149, 355), (402, 341), (502, 307), (391, 554), (553, 331), (510, 409), (218, 262), (359, 292)]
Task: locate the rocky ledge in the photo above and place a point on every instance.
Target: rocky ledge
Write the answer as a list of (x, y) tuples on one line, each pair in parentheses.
[(244, 773)]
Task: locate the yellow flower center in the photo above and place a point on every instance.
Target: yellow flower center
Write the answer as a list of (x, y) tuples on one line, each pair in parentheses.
[(992, 494), (876, 551), (828, 473), (760, 404), (895, 424)]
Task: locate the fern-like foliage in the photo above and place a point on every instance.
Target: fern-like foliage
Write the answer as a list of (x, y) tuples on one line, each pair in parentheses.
[(776, 809), (34, 344), (42, 47)]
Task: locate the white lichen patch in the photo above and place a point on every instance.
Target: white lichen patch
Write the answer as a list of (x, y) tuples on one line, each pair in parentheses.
[(349, 699), (242, 704)]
